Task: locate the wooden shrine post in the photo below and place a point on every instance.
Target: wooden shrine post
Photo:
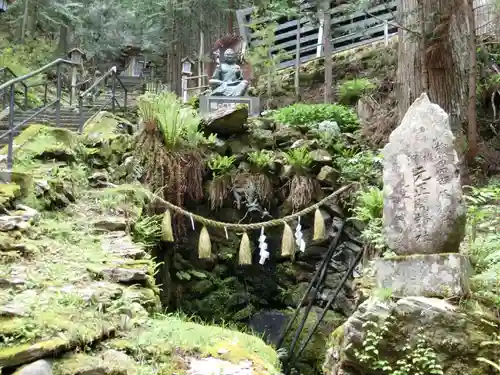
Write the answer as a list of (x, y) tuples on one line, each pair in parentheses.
[(76, 55)]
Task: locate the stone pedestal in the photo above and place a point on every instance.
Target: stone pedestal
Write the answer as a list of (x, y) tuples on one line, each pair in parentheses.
[(211, 104), (429, 275)]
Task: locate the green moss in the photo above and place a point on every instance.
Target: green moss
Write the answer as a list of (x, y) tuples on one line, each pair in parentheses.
[(19, 354), (8, 193), (44, 142), (165, 336), (104, 128), (82, 363)]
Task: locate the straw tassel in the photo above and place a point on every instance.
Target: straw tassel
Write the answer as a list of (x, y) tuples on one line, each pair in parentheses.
[(319, 226), (245, 256), (204, 244), (287, 242), (167, 234)]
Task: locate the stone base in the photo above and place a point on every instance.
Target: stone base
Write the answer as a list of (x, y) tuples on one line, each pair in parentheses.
[(431, 275)]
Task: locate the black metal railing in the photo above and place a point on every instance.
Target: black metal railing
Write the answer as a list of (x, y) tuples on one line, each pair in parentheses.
[(5, 73), (115, 78), (8, 91)]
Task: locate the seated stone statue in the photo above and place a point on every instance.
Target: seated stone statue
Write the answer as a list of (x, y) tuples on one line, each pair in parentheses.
[(227, 79)]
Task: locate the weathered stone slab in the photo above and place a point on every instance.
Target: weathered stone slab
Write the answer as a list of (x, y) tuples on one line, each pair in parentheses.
[(120, 243), (429, 275), (211, 104), (112, 223), (424, 211)]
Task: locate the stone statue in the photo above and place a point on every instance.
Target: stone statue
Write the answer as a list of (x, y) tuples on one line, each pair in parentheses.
[(227, 79)]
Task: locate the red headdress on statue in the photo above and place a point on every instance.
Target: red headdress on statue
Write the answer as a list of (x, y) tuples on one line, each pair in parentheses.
[(236, 43)]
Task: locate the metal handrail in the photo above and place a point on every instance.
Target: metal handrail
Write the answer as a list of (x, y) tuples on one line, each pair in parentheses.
[(10, 85), (8, 70), (43, 69), (98, 81), (110, 73)]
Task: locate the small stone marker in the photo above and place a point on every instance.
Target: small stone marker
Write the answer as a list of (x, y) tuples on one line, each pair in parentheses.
[(424, 209)]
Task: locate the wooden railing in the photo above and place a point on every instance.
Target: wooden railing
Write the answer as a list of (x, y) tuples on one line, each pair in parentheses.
[(188, 91)]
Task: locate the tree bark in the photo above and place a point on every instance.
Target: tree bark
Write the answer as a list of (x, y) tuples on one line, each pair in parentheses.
[(472, 110), (25, 20), (433, 56)]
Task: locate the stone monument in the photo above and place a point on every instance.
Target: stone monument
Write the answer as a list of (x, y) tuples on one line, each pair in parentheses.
[(424, 209), (228, 88)]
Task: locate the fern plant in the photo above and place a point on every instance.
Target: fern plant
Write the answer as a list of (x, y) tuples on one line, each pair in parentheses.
[(221, 165), (261, 159), (147, 106), (299, 159), (220, 185), (368, 210), (178, 124)]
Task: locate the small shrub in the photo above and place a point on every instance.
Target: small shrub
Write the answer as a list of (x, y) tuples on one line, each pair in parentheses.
[(220, 185), (300, 115), (258, 179), (368, 210), (261, 159), (221, 165), (350, 91), (168, 148), (299, 159), (483, 241), (302, 186), (364, 167)]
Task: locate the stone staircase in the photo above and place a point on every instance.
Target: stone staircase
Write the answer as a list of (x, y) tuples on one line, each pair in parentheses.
[(70, 118), (70, 115)]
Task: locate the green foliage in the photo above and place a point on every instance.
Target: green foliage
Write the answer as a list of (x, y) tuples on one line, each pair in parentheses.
[(178, 124), (483, 240), (350, 91), (147, 231), (23, 58), (299, 159), (494, 342), (264, 61), (368, 210), (415, 357), (364, 167), (303, 114), (194, 102), (261, 159), (221, 165)]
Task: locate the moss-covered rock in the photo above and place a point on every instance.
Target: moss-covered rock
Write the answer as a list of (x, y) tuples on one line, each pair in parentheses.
[(41, 142), (167, 340), (107, 362), (104, 127), (8, 193), (431, 325)]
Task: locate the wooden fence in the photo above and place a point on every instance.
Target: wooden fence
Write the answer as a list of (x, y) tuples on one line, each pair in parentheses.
[(349, 29)]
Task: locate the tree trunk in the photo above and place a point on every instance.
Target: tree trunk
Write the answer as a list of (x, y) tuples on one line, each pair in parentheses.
[(327, 50), (62, 46), (25, 20), (433, 56), (472, 110)]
